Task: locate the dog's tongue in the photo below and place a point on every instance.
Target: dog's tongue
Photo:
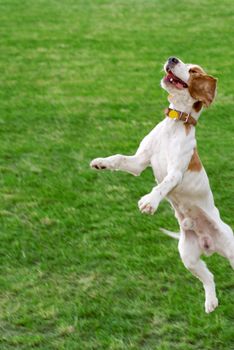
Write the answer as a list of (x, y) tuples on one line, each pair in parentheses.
[(179, 85)]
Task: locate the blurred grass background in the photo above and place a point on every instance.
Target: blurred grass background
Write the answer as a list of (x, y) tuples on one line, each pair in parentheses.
[(81, 268)]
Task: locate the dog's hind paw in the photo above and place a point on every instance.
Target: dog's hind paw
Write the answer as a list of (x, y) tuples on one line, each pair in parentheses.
[(211, 304)]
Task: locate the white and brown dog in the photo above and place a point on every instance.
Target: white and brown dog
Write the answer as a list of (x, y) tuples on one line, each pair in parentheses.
[(170, 148)]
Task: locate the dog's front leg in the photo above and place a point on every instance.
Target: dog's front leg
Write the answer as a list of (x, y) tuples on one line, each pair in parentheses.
[(132, 164), (148, 204)]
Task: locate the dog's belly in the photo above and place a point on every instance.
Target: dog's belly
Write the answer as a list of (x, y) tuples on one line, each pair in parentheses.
[(194, 190), (194, 186)]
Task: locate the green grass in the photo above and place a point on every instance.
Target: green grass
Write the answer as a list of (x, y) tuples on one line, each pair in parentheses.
[(81, 268)]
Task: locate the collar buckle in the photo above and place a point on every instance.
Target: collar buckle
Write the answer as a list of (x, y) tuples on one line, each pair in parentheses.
[(187, 118), (180, 115)]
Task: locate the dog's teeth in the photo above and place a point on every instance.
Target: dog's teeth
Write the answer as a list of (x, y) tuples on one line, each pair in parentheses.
[(171, 80)]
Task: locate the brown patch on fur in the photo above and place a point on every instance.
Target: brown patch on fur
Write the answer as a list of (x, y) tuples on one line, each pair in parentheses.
[(187, 128), (196, 69), (197, 106), (202, 87), (195, 163)]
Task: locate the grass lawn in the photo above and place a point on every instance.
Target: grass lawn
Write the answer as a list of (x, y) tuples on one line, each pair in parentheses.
[(81, 268)]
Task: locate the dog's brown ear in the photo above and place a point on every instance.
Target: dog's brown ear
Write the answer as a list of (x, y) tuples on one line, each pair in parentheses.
[(202, 87)]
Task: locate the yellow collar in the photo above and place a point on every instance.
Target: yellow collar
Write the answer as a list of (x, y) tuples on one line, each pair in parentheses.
[(177, 115), (174, 114)]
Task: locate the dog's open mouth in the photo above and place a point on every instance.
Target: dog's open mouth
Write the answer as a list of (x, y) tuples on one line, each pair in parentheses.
[(175, 81)]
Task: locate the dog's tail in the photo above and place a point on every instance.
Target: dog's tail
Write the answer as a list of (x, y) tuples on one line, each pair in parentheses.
[(171, 234)]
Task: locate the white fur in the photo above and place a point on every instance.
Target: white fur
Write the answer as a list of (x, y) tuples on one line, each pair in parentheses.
[(168, 149)]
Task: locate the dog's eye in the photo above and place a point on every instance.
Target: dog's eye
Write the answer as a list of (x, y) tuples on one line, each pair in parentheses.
[(192, 70)]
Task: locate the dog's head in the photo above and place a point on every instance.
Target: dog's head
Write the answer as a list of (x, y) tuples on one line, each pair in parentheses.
[(188, 80)]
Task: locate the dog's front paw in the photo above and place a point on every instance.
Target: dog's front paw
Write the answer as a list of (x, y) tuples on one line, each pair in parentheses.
[(148, 204), (99, 164)]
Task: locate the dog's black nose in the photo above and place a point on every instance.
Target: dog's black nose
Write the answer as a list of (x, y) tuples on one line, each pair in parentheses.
[(173, 60)]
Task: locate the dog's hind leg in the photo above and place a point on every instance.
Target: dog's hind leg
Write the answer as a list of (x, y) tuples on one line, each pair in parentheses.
[(190, 252), (230, 253), (219, 233), (225, 244)]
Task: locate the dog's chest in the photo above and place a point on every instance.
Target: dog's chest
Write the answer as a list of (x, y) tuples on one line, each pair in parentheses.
[(169, 143), (159, 159)]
